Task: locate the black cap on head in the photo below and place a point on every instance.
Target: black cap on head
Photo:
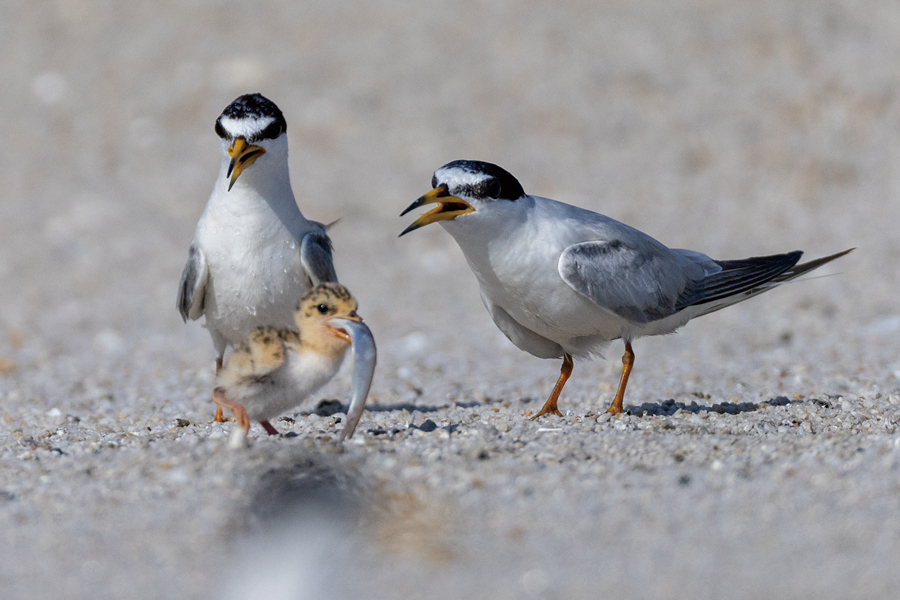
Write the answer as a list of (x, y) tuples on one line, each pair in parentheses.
[(500, 183), (253, 117)]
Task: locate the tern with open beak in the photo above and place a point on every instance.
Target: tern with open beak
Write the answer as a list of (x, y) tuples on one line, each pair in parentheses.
[(276, 369), (253, 253), (561, 281)]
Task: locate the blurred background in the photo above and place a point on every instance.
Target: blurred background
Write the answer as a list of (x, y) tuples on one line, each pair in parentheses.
[(732, 128)]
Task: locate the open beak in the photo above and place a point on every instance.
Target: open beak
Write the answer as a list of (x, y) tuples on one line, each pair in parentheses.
[(448, 208), (364, 356), (242, 156), (337, 325)]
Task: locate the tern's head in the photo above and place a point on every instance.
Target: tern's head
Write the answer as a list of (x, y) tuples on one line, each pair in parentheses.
[(247, 127), (463, 187), (317, 309)]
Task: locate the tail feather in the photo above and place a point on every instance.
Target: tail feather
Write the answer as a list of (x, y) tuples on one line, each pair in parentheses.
[(743, 279)]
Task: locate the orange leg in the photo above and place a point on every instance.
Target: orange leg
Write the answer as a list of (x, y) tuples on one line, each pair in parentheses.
[(219, 417), (240, 414), (627, 362), (564, 372), (268, 427)]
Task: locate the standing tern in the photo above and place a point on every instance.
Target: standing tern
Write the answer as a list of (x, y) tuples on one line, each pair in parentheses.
[(562, 281), (253, 252), (275, 369)]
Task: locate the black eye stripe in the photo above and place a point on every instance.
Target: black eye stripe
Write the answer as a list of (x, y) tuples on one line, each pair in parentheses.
[(490, 188), (275, 129)]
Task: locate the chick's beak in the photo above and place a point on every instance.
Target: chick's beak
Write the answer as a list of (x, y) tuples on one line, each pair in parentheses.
[(449, 207), (339, 325), (242, 156)]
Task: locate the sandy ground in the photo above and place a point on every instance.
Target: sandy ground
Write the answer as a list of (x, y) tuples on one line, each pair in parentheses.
[(762, 458)]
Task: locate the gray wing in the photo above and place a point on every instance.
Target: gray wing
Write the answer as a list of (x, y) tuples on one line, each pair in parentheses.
[(653, 283), (641, 283), (192, 289), (315, 256)]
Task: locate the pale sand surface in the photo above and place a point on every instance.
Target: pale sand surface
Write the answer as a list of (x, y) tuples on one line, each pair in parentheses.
[(733, 128)]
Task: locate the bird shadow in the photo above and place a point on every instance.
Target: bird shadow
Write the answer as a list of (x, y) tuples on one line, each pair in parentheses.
[(326, 408), (670, 407), (329, 407)]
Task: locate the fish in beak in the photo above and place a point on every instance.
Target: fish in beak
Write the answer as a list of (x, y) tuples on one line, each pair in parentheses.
[(364, 356)]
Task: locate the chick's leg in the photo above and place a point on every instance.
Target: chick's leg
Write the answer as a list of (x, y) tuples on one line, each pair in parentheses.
[(268, 427), (240, 414), (564, 372)]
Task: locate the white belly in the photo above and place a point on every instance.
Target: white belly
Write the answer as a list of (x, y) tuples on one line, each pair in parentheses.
[(255, 275), (301, 376)]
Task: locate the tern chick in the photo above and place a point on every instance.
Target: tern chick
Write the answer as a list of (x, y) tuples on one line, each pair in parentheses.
[(277, 368), (562, 281), (253, 252)]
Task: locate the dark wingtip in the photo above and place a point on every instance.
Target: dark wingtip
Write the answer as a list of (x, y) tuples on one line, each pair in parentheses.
[(815, 264)]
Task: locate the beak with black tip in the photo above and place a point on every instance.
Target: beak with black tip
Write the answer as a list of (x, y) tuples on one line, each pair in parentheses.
[(242, 156), (449, 207)]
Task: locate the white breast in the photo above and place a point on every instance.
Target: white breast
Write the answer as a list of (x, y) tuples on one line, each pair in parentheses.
[(255, 273)]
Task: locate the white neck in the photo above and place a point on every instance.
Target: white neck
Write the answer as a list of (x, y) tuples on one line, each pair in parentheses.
[(263, 186)]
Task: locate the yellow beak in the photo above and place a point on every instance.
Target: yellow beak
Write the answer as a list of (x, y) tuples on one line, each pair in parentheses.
[(242, 156), (343, 322), (449, 207)]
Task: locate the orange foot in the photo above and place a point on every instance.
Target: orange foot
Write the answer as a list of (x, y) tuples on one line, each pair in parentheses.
[(627, 362), (550, 405)]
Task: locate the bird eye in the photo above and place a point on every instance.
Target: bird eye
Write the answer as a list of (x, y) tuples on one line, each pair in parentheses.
[(490, 188), (322, 308), (434, 181)]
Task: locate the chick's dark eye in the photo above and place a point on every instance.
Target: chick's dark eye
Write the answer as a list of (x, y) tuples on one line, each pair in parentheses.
[(491, 188), (322, 308)]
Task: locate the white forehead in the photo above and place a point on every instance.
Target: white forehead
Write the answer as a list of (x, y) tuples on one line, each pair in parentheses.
[(456, 176), (246, 127)]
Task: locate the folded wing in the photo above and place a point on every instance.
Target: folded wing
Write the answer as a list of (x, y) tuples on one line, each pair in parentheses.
[(644, 284), (315, 256), (192, 288)]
